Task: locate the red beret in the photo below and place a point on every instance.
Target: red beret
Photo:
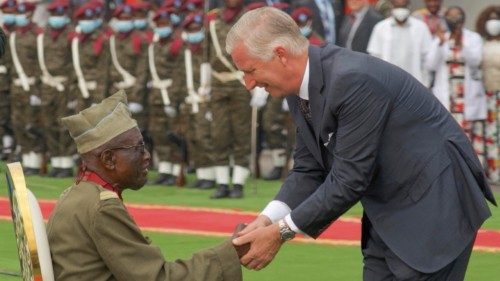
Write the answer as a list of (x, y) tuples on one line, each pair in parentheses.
[(302, 14), (255, 5), (59, 6), (141, 5), (282, 6), (84, 11), (98, 6), (193, 18), (8, 4), (163, 12), (123, 10), (26, 7)]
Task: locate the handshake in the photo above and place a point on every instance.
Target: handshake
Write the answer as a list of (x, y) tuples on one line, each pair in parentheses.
[(257, 243)]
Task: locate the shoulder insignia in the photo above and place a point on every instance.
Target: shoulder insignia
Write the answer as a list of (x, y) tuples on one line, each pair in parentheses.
[(107, 194)]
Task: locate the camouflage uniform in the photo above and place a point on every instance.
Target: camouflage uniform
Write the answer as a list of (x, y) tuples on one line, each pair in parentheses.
[(232, 115), (5, 81), (168, 59), (132, 55), (60, 146), (25, 102)]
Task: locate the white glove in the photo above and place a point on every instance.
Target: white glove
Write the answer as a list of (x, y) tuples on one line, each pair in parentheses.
[(135, 107), (170, 111), (35, 100), (72, 104), (259, 97), (204, 91), (284, 106)]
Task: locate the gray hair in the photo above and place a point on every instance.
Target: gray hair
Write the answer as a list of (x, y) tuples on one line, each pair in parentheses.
[(262, 30)]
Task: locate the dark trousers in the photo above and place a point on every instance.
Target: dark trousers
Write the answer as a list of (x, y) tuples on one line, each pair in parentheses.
[(380, 263)]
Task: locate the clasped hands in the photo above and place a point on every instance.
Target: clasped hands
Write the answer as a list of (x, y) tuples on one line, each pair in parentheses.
[(258, 243)]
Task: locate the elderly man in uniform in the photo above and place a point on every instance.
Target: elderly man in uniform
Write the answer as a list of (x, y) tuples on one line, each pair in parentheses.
[(99, 240)]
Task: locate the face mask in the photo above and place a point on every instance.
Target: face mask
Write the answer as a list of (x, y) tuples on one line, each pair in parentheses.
[(87, 26), (175, 19), (493, 27), (452, 24), (58, 21), (9, 19), (98, 22), (140, 23), (124, 25), (400, 14), (195, 37), (306, 30), (22, 20), (164, 31)]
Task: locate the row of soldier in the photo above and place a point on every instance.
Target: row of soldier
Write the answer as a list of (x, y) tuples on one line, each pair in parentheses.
[(180, 83)]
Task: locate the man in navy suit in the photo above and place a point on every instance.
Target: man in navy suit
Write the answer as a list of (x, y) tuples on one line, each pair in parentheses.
[(366, 131)]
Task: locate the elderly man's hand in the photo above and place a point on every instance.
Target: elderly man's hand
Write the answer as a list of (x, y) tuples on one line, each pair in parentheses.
[(265, 243)]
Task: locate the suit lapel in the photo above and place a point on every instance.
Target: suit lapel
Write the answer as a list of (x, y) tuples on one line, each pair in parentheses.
[(316, 99)]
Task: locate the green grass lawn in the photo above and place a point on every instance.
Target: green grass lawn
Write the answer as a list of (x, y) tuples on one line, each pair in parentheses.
[(294, 261)]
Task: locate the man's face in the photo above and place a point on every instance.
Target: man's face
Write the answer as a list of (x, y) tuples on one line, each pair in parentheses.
[(233, 3), (400, 3), (433, 6), (131, 160), (356, 5), (270, 75)]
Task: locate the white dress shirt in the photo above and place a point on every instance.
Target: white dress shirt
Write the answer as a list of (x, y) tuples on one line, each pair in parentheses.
[(277, 210)]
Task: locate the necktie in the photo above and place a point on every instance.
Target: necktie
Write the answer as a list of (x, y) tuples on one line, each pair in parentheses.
[(305, 110)]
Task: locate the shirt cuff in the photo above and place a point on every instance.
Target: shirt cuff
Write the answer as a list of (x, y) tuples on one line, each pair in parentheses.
[(276, 210), (293, 226)]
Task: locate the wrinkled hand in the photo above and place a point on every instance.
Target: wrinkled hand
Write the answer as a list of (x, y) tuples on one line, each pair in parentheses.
[(265, 243), (243, 249)]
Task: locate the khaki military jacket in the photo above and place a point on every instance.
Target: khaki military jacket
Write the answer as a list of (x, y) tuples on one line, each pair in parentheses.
[(6, 65), (92, 237)]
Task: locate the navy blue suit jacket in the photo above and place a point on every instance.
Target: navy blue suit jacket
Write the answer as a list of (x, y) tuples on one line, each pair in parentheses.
[(382, 138)]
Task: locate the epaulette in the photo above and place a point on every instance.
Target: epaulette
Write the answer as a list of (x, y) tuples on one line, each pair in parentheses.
[(99, 42), (107, 194), (136, 43), (176, 46)]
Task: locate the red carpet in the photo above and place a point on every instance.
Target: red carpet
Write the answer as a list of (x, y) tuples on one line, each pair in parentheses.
[(219, 222)]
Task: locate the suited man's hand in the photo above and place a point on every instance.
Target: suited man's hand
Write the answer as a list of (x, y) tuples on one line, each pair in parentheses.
[(265, 243), (260, 221)]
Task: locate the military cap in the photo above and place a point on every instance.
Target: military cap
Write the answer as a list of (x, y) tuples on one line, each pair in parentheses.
[(99, 124), (25, 7), (58, 6), (302, 14), (98, 6), (177, 4), (163, 12), (8, 4), (193, 18), (84, 11), (141, 6)]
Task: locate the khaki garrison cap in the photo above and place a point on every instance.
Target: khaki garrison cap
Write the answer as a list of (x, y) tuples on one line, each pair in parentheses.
[(98, 124)]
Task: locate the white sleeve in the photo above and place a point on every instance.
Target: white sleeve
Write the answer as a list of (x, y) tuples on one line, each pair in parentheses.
[(276, 210), (472, 50), (375, 44), (293, 226)]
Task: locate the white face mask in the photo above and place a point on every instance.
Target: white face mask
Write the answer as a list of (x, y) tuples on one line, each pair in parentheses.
[(493, 27), (401, 14)]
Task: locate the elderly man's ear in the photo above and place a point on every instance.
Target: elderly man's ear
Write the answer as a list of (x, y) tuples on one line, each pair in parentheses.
[(281, 53), (108, 159)]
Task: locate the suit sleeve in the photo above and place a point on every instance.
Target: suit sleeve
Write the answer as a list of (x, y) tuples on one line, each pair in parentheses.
[(304, 178), (129, 256), (362, 108)]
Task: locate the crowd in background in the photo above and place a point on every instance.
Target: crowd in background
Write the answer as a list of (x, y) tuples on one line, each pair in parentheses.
[(189, 99)]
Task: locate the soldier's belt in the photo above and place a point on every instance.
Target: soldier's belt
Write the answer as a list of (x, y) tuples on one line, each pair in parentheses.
[(225, 77), (91, 85), (53, 81), (197, 99), (123, 85), (3, 69), (30, 80), (161, 84)]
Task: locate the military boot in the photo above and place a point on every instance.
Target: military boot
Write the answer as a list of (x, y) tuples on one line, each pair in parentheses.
[(237, 191), (221, 192)]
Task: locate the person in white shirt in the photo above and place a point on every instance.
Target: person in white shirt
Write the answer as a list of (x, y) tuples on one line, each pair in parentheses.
[(488, 25), (456, 57), (402, 40)]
